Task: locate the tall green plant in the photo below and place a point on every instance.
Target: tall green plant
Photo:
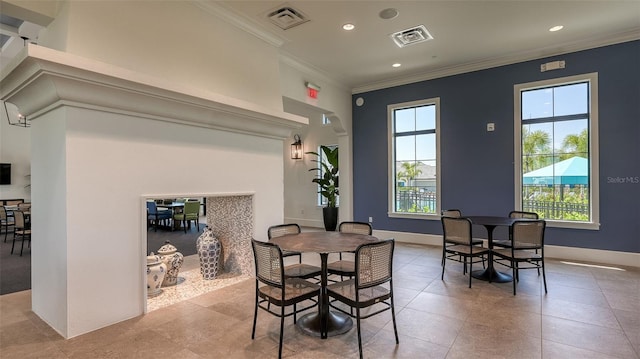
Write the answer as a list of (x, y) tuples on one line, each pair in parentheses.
[(328, 174)]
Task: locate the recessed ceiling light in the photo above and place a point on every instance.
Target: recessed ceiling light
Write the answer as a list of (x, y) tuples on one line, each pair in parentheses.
[(388, 14), (348, 27), (556, 28), (396, 65)]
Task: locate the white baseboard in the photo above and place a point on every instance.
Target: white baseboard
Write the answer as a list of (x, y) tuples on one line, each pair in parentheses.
[(305, 222), (627, 259)]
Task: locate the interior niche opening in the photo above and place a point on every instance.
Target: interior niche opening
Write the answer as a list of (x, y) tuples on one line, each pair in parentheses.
[(231, 220)]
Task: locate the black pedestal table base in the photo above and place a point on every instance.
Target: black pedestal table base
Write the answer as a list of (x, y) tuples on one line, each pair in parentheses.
[(491, 275), (338, 323)]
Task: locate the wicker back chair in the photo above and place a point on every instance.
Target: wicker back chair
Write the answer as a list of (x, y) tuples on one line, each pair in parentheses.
[(528, 239), (342, 267), (456, 213), (20, 229), (506, 243), (274, 288), (457, 244), (372, 284), (5, 222), (355, 227), (300, 269)]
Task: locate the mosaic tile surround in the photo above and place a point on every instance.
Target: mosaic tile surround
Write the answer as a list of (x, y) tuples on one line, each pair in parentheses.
[(231, 220)]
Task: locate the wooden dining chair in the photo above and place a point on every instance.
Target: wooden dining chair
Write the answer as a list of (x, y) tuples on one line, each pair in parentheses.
[(527, 248), (372, 285), (22, 230), (506, 243), (459, 231), (5, 222), (191, 213), (456, 213), (344, 267), (274, 288), (298, 270)]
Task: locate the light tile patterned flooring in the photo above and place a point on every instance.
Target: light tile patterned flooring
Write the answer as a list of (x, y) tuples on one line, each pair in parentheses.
[(589, 312)]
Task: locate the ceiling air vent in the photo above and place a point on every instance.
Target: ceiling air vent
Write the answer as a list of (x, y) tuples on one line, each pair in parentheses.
[(411, 36), (287, 17)]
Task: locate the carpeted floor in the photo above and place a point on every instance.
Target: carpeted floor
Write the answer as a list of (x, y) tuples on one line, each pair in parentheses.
[(15, 271), (185, 242)]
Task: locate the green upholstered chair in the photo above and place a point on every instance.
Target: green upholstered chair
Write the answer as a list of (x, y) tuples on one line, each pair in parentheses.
[(191, 213)]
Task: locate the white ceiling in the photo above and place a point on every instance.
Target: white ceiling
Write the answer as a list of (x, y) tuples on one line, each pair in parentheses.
[(468, 35)]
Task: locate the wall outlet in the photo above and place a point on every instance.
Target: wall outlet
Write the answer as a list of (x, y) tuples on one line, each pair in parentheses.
[(370, 219)]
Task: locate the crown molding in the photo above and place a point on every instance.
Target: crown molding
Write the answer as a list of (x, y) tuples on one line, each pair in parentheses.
[(538, 53), (239, 21), (311, 70), (44, 79)]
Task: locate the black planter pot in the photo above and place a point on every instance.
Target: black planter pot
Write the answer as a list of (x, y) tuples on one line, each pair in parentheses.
[(330, 216)]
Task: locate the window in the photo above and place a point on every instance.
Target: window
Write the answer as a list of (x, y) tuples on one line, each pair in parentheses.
[(325, 120), (414, 158), (556, 140)]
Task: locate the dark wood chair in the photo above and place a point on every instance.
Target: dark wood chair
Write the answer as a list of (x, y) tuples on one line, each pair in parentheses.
[(459, 231), (5, 222), (456, 213), (298, 270), (527, 239), (372, 285), (274, 288), (506, 243), (342, 267), (22, 230)]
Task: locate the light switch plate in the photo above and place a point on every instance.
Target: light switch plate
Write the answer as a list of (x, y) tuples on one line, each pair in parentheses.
[(491, 126)]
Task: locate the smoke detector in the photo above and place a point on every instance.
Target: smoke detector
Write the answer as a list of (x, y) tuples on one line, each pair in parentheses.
[(286, 17), (411, 36)]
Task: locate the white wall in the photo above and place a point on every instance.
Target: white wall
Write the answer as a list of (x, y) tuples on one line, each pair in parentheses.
[(334, 100), (49, 221), (300, 193), (111, 161), (174, 40)]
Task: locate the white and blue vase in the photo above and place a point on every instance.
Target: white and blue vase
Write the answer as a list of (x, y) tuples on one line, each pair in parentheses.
[(173, 259), (210, 253), (156, 270)]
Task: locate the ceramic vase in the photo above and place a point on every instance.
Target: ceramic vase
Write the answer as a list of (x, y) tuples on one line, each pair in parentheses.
[(173, 259), (156, 271), (210, 253)]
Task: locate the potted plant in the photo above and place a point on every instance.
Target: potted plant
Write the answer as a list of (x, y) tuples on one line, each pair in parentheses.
[(327, 180)]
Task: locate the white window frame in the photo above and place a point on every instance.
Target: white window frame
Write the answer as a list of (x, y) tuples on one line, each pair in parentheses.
[(594, 185), (391, 160)]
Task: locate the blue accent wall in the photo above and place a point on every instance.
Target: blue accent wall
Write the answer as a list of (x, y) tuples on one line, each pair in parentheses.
[(477, 166)]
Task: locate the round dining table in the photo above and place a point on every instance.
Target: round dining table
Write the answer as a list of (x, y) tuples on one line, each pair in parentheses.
[(490, 223), (324, 323)]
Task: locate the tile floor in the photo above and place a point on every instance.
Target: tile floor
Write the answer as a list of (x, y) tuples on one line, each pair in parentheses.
[(589, 312)]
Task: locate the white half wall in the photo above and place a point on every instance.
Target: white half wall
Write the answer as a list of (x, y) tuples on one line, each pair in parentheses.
[(109, 138), (111, 160)]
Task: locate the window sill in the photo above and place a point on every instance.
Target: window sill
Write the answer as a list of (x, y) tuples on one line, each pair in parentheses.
[(573, 225), (427, 216)]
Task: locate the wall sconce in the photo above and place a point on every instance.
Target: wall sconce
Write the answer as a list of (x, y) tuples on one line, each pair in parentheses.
[(17, 119), (296, 148)]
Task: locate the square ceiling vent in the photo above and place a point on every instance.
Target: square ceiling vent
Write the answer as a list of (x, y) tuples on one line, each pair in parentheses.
[(411, 36), (286, 17)]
